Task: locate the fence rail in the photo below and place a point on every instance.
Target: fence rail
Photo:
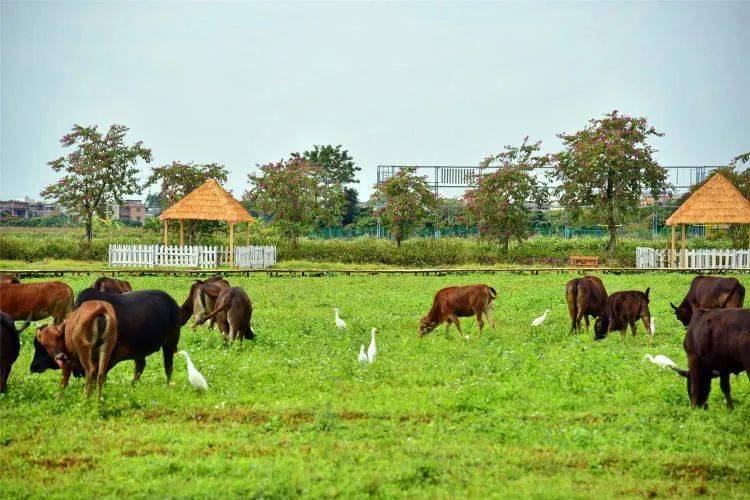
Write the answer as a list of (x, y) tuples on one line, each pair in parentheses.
[(194, 256), (709, 258)]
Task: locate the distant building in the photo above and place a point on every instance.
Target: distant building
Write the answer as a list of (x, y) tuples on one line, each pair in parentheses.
[(14, 209), (39, 208), (154, 211), (647, 200), (133, 210)]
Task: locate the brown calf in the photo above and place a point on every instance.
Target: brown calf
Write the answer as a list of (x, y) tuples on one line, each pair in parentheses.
[(111, 285), (36, 301), (85, 340), (459, 301), (233, 314), (202, 299), (9, 278), (585, 297), (623, 309)]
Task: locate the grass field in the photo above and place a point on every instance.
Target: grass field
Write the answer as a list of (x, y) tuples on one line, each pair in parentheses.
[(519, 412)]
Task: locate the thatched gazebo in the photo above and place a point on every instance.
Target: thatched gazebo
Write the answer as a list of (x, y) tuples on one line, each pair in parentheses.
[(209, 201), (715, 202)]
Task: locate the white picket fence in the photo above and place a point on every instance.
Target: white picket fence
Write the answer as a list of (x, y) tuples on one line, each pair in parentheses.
[(196, 256), (694, 259)]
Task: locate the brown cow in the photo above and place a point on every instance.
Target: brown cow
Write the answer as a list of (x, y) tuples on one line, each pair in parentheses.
[(10, 346), (36, 300), (459, 301), (9, 278), (201, 300), (112, 285), (709, 292), (85, 340), (623, 309), (233, 313), (585, 297)]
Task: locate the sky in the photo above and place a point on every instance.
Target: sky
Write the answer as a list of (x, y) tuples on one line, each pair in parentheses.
[(395, 83)]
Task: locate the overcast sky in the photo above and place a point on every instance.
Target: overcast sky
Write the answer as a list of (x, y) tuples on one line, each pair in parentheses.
[(426, 83)]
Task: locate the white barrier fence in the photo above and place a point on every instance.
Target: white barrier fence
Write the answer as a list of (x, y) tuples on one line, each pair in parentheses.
[(694, 259), (198, 256)]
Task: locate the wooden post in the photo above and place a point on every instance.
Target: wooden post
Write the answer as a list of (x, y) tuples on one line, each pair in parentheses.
[(166, 232), (673, 256), (231, 243), (247, 238), (684, 252), (182, 233)]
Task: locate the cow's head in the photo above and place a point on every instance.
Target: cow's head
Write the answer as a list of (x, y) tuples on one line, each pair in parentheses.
[(684, 313), (49, 349), (601, 325), (426, 325)]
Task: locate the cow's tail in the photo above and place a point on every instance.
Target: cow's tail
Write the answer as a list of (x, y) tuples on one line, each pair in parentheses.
[(493, 293), (226, 305), (680, 371)]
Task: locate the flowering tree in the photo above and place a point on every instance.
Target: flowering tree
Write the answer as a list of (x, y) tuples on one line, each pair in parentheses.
[(606, 166), (293, 194), (498, 203), (97, 173), (405, 201)]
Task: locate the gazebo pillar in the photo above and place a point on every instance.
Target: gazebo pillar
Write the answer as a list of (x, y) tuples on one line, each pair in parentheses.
[(182, 233), (231, 243), (673, 256), (684, 250), (166, 232), (247, 236)]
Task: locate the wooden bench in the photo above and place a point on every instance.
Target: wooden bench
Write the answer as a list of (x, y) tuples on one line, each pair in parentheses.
[(584, 261)]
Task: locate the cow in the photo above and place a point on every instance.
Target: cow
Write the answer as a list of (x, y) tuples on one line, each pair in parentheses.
[(201, 300), (454, 302), (9, 278), (85, 340), (717, 344), (585, 297), (233, 314), (147, 320), (623, 309), (36, 300), (112, 285), (709, 292), (10, 346)]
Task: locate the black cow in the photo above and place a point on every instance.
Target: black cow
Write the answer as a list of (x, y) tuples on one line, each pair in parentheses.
[(10, 346), (585, 297), (147, 321), (709, 292), (623, 309), (717, 343)]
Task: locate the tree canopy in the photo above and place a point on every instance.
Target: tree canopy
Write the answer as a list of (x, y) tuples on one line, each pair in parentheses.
[(404, 203), (177, 179), (336, 164)]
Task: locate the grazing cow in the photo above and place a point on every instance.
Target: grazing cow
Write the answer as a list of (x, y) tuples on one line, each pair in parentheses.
[(709, 292), (147, 320), (201, 300), (623, 309), (9, 278), (85, 340), (233, 313), (10, 346), (459, 301), (717, 344), (112, 285), (36, 300), (585, 297)]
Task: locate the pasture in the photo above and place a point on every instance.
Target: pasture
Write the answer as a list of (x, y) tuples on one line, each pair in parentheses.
[(520, 412)]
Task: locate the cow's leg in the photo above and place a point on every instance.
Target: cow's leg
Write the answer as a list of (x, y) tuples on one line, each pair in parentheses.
[(88, 366), (633, 327), (454, 318), (480, 322), (700, 382), (65, 378), (101, 376), (5, 373), (140, 365), (724, 383), (448, 327), (489, 315), (586, 320), (624, 331)]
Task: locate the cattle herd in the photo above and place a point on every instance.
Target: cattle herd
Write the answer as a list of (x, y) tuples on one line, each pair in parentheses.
[(109, 322)]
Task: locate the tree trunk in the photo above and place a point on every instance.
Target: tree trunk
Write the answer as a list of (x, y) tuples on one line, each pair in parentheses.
[(89, 228), (611, 223), (506, 243)]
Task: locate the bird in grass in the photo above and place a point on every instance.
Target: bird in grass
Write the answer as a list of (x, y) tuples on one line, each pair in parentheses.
[(194, 376), (372, 351), (339, 322), (661, 360), (652, 327), (541, 319), (362, 355)]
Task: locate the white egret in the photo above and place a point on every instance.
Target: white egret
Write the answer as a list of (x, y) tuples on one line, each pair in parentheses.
[(372, 351), (362, 356), (541, 319), (653, 328), (661, 360), (339, 322), (194, 376)]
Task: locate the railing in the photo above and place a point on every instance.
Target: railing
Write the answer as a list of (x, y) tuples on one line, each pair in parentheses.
[(195, 256), (709, 258)]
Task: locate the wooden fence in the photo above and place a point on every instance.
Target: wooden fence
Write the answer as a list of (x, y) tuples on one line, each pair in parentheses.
[(195, 256), (650, 258)]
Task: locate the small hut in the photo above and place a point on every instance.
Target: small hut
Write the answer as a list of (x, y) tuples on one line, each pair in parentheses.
[(209, 201), (715, 202)]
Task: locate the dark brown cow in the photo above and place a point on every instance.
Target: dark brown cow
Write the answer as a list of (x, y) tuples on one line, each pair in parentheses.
[(36, 300), (623, 309), (202, 299), (585, 297), (717, 343), (233, 314), (709, 292), (454, 302), (10, 346), (9, 278), (111, 285), (85, 340)]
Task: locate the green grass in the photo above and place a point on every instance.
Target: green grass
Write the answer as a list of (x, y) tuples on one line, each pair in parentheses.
[(520, 412)]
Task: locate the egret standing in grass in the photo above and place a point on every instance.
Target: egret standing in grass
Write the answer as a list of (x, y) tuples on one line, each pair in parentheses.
[(541, 319), (661, 360), (339, 322), (362, 355), (194, 376), (372, 351), (652, 327)]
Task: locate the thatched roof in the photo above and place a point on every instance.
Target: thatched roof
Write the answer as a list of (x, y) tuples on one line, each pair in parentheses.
[(715, 202), (209, 201)]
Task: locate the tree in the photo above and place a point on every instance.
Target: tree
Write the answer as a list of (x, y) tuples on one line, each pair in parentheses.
[(97, 173), (351, 206), (336, 165), (404, 203), (606, 166), (292, 193), (498, 203)]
